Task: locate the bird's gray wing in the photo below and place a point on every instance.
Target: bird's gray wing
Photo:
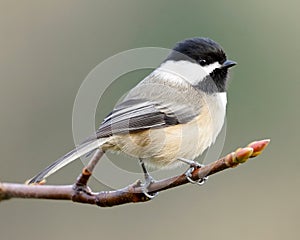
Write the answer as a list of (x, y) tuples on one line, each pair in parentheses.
[(141, 114)]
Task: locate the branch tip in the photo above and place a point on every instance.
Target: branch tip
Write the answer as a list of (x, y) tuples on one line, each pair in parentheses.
[(259, 146)]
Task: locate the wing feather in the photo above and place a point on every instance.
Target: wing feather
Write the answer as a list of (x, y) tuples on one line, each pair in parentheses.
[(141, 114)]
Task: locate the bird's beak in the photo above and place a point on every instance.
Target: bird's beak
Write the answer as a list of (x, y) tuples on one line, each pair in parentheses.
[(228, 64)]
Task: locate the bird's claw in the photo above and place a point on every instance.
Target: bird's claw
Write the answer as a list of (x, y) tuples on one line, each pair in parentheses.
[(148, 181), (188, 175), (193, 165)]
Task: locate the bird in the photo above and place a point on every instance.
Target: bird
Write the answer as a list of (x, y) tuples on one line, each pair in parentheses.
[(170, 117)]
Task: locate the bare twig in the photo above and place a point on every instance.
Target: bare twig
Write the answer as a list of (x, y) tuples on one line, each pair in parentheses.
[(86, 173), (130, 194)]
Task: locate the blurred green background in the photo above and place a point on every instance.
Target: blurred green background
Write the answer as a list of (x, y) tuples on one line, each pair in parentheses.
[(48, 47)]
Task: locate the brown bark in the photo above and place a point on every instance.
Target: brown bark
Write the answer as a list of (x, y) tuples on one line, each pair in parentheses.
[(80, 192)]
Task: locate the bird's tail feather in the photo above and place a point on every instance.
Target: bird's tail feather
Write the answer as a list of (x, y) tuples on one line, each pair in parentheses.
[(81, 150)]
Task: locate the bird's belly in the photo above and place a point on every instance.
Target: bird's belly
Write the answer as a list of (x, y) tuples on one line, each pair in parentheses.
[(162, 147)]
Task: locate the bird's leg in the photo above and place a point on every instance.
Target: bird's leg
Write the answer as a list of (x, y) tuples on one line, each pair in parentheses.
[(193, 165), (148, 181)]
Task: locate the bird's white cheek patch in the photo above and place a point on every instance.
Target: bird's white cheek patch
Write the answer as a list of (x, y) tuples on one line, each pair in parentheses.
[(187, 71), (211, 67)]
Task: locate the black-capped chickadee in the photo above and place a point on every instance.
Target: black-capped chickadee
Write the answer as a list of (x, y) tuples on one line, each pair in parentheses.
[(176, 112)]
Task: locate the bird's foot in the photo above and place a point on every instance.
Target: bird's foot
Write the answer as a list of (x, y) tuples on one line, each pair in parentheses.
[(148, 181), (193, 165)]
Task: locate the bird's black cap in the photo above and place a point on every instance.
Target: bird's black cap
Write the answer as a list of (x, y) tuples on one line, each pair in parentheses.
[(201, 50)]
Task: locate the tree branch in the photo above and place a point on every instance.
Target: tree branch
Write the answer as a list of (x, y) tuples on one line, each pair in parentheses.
[(80, 192)]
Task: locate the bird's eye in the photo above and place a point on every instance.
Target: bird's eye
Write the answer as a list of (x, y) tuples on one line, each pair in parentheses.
[(202, 62)]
